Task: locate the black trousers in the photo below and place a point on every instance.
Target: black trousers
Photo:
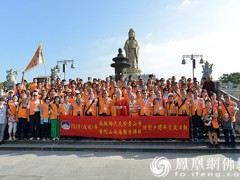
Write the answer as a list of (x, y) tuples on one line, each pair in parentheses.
[(197, 126), (35, 124), (45, 130), (22, 128)]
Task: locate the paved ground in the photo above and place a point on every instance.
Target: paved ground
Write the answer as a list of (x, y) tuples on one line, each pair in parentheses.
[(37, 165)]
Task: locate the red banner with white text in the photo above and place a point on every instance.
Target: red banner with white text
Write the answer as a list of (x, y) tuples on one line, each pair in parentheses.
[(125, 127)]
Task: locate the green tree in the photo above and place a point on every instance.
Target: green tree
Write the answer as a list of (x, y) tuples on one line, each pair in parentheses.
[(232, 77)]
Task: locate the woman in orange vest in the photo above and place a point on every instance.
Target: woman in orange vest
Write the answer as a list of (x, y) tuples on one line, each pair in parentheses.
[(34, 116), (54, 118), (22, 116), (105, 104), (170, 108), (12, 118), (91, 104), (211, 123), (44, 114)]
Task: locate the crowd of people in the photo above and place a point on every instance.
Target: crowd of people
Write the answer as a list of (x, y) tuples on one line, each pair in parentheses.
[(32, 111)]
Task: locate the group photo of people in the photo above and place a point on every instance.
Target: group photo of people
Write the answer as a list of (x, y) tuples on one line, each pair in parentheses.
[(31, 110)]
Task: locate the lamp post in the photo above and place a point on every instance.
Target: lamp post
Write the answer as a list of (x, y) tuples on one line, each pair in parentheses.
[(65, 62), (192, 57)]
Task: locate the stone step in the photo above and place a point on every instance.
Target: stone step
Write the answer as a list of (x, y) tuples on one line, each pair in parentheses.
[(176, 148)]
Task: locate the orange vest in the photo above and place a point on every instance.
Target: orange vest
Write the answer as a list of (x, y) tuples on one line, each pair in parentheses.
[(214, 120), (171, 108), (65, 109), (33, 86), (45, 111), (77, 108), (185, 106), (158, 107), (93, 108), (22, 111), (145, 107), (12, 108), (190, 107), (134, 107), (105, 107), (55, 109), (230, 108), (199, 106), (32, 106)]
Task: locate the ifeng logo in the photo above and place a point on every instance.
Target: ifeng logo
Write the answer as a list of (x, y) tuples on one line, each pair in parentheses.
[(160, 167), (65, 125)]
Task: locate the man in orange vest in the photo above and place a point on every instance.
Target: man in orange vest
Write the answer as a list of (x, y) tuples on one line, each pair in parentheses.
[(198, 104), (228, 110), (145, 105), (78, 106)]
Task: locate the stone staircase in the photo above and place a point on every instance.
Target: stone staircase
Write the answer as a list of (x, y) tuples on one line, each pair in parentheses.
[(109, 145)]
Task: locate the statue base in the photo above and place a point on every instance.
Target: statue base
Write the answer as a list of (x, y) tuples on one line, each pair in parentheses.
[(134, 71)]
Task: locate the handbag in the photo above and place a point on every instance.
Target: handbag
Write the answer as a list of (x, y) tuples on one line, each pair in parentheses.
[(227, 125)]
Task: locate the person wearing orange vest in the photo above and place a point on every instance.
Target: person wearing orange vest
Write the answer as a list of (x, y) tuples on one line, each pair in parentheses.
[(197, 123), (44, 114), (215, 103), (91, 104), (211, 123), (158, 105), (33, 85), (145, 105), (171, 109), (133, 105), (21, 114), (54, 118), (105, 104), (228, 110), (182, 103), (66, 106), (78, 106), (12, 118), (34, 116), (3, 118)]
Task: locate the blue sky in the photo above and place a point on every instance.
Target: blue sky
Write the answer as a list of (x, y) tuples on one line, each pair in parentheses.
[(91, 31)]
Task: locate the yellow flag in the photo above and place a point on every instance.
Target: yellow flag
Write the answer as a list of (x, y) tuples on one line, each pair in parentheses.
[(37, 59)]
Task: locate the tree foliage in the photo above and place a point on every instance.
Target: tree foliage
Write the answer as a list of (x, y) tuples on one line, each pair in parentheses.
[(232, 77)]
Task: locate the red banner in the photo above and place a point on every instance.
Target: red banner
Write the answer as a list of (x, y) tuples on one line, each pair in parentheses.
[(125, 127)]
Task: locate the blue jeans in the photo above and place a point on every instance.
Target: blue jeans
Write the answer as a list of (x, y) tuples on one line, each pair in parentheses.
[(232, 135)]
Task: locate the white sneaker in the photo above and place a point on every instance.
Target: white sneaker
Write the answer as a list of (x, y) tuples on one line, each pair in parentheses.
[(54, 139), (10, 139), (44, 139), (14, 138), (32, 138), (38, 138)]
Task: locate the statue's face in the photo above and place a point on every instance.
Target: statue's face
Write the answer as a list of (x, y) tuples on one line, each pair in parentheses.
[(131, 34)]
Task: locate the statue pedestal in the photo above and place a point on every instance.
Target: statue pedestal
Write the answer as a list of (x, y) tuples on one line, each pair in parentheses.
[(134, 71)]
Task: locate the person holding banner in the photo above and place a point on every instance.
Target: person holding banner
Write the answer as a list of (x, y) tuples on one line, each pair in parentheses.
[(54, 118)]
